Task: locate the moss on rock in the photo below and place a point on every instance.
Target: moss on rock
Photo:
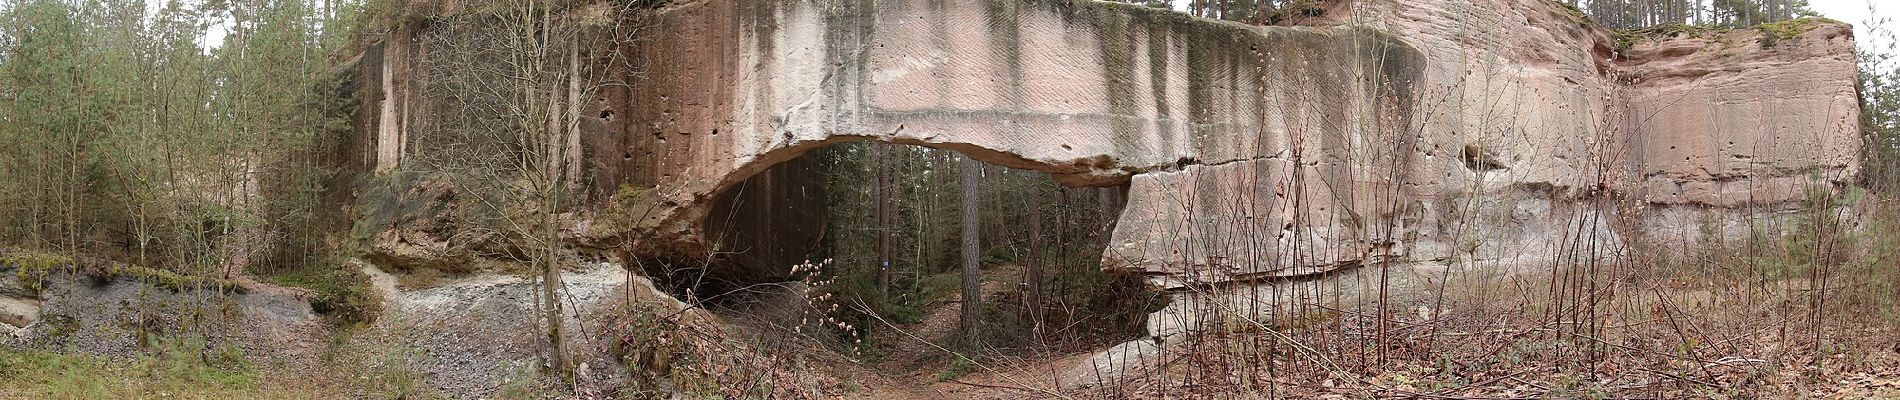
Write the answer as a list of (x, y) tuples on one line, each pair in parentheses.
[(1772, 32), (1794, 27), (33, 268), (1574, 14)]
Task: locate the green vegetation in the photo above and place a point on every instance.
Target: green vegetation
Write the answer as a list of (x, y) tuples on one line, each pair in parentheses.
[(184, 368), (1772, 32), (1880, 115), (1575, 15), (129, 129), (190, 368), (1790, 28), (1638, 14), (341, 292), (32, 268), (1679, 30), (959, 367)]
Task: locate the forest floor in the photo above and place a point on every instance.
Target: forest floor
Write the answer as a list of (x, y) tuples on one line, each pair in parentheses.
[(1512, 338), (1502, 339), (919, 356)]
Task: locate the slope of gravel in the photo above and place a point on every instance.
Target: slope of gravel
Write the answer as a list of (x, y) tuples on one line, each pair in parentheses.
[(474, 336), (121, 317)]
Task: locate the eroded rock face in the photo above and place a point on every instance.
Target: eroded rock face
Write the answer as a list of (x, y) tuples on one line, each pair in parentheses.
[(1743, 117), (1487, 134), (1092, 92), (1716, 123)]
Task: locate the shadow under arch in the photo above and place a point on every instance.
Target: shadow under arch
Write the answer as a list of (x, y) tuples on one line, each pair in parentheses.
[(773, 213)]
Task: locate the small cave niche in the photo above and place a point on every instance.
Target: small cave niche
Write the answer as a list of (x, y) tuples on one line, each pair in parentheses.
[(1480, 158)]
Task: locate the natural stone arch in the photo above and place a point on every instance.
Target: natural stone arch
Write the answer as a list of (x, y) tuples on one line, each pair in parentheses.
[(1172, 103), (1094, 93), (1183, 109)]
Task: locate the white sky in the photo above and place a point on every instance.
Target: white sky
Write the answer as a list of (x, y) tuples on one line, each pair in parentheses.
[(1856, 12)]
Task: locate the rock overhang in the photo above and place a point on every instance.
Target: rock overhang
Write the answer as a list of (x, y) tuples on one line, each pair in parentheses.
[(1091, 92), (1311, 139)]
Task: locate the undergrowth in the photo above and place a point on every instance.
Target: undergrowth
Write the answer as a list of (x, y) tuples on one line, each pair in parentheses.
[(341, 292), (1798, 300), (674, 353), (180, 368)]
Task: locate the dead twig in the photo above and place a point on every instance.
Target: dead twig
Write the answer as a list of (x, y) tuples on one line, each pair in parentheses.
[(993, 386)]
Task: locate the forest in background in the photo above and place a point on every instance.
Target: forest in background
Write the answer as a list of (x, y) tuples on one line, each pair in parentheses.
[(190, 137)]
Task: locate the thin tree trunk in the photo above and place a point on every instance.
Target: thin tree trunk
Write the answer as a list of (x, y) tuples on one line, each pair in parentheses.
[(1110, 204), (992, 226), (972, 289), (880, 210), (1032, 274)]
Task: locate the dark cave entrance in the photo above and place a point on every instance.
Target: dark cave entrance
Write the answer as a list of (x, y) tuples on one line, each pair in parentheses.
[(825, 205)]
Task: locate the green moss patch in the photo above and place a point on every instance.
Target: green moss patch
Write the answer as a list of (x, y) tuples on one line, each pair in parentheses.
[(33, 268), (1794, 27), (341, 292), (1576, 15), (1772, 32), (1626, 38)]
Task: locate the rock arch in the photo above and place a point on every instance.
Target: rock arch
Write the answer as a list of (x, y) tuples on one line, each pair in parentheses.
[(1343, 138), (1094, 93), (1262, 158)]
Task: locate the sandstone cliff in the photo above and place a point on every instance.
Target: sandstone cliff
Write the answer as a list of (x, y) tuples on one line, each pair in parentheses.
[(1465, 134)]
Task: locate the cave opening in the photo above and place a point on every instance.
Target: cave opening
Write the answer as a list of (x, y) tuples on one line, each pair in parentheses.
[(882, 225)]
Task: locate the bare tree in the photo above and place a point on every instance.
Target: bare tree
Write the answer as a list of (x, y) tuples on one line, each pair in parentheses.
[(1032, 272), (511, 84), (972, 283), (881, 210)]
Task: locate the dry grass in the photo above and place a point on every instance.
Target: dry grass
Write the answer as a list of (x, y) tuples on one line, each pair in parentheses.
[(1651, 340), (1806, 312)]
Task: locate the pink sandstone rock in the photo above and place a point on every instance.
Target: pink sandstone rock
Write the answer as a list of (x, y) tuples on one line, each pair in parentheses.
[(1467, 134)]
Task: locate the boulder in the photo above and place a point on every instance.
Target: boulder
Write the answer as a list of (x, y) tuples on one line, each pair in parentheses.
[(1109, 366), (18, 312)]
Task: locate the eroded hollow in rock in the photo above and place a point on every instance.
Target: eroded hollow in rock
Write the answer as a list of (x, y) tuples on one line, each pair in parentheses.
[(884, 224), (1481, 158)]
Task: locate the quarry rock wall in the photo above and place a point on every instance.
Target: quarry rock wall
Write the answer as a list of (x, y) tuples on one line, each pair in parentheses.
[(1263, 166), (1478, 133)]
